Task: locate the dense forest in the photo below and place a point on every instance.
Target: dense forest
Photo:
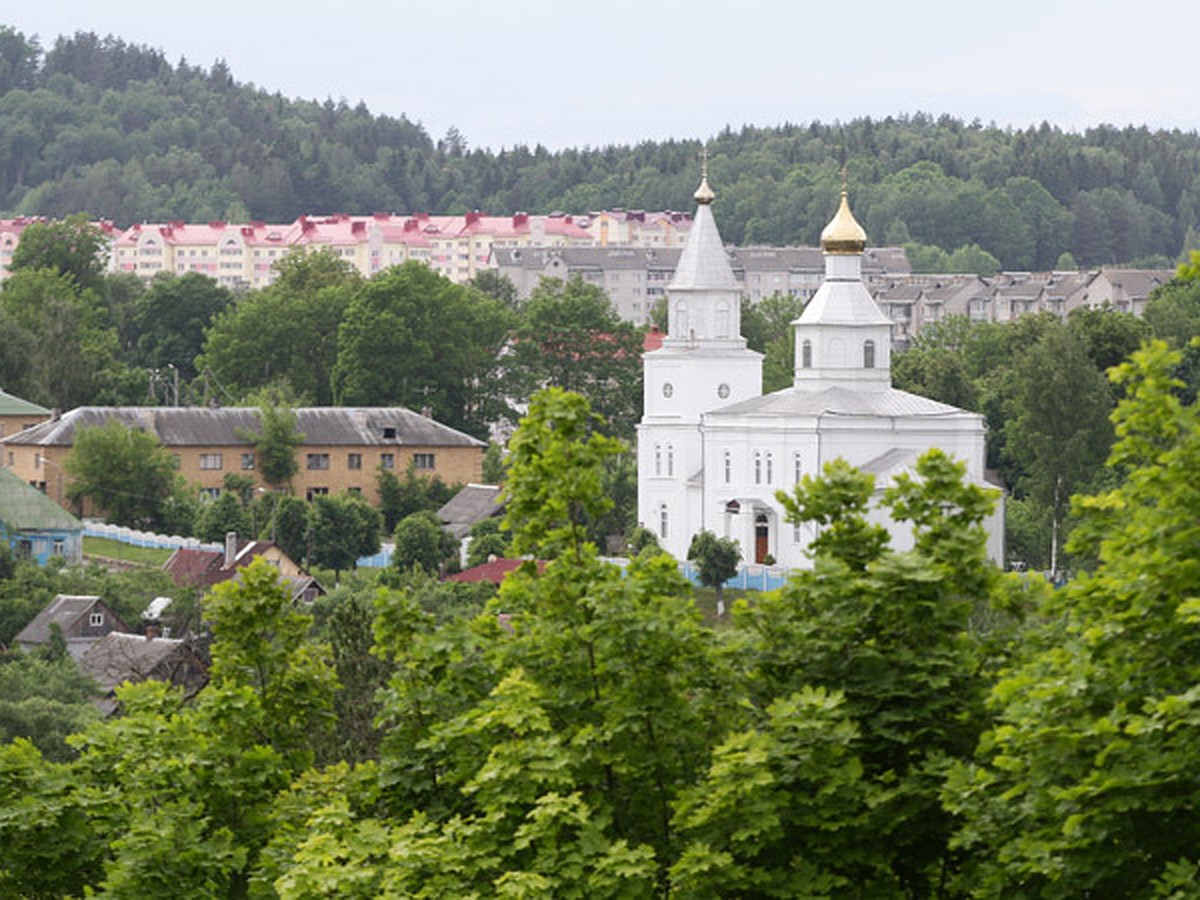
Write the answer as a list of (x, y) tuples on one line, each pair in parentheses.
[(115, 130)]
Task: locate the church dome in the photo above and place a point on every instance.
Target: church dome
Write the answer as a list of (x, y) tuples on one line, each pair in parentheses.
[(843, 234)]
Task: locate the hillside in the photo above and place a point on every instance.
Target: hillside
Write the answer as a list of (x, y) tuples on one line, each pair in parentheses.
[(115, 130)]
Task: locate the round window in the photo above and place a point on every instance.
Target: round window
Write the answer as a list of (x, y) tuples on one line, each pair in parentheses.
[(668, 389), (723, 391)]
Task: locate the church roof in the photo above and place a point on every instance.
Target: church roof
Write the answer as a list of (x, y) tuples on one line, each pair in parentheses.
[(843, 303), (839, 401), (703, 265)]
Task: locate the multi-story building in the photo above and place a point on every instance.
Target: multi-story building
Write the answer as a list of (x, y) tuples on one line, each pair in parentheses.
[(343, 448), (10, 236), (17, 415), (637, 228), (635, 278)]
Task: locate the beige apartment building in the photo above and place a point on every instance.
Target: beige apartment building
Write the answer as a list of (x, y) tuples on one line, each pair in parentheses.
[(343, 448)]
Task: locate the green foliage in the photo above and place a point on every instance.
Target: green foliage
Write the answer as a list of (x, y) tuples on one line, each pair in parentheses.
[(487, 540), (716, 560), (218, 517), (1084, 782), (43, 701), (171, 317), (555, 475), (124, 472), (412, 337), (72, 247), (284, 336), (276, 441), (421, 541), (569, 336), (341, 530), (399, 499)]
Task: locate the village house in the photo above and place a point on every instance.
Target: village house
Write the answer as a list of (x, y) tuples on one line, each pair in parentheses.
[(34, 527), (204, 568), (17, 415), (80, 619)]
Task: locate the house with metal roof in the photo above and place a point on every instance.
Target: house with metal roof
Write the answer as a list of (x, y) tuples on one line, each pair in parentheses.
[(343, 448), (35, 527)]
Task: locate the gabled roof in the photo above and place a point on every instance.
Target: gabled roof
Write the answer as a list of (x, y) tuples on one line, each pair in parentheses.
[(194, 426), (472, 504), (65, 610), (205, 568), (15, 406), (25, 508), (494, 570), (117, 658)]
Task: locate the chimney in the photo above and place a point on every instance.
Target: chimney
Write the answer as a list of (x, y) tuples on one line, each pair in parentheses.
[(152, 631), (230, 548)]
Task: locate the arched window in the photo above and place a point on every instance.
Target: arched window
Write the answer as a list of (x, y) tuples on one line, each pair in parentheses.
[(670, 460), (797, 468), (658, 459), (728, 467), (663, 521), (770, 461), (758, 467), (806, 355), (868, 354)]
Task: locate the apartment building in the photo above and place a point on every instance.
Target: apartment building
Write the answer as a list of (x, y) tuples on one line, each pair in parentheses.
[(635, 278), (342, 451)]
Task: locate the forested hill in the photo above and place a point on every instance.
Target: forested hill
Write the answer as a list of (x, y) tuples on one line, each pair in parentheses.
[(101, 126)]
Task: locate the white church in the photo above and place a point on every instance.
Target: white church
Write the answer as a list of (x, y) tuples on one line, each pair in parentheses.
[(713, 450)]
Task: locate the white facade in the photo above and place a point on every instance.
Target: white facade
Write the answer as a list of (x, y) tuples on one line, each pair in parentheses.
[(713, 450)]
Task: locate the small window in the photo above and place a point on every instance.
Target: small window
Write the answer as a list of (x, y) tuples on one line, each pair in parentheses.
[(209, 493), (658, 455), (663, 521), (868, 354), (758, 468), (387, 460), (354, 461), (317, 461), (59, 548), (797, 468), (806, 355), (728, 467), (769, 459), (96, 619), (423, 461), (247, 461), (210, 461), (315, 492), (354, 490), (670, 461), (389, 433)]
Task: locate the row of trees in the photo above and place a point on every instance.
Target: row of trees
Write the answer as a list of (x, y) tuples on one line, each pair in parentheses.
[(100, 125), (1042, 385), (320, 335), (888, 724)]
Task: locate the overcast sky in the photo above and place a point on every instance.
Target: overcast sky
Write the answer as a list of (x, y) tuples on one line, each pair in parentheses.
[(567, 73)]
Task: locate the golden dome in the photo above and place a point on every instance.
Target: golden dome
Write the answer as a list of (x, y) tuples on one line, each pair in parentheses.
[(843, 234)]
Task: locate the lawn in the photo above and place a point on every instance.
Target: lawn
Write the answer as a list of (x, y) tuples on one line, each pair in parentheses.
[(110, 549)]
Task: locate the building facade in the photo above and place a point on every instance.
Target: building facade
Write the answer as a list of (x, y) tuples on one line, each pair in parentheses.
[(343, 448), (713, 450)]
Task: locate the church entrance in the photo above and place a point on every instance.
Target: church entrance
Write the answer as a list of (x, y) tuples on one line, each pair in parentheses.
[(762, 538)]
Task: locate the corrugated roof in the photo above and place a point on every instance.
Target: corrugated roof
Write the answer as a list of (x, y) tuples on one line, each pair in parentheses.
[(472, 504), (65, 609), (25, 508), (117, 658), (15, 406), (188, 426)]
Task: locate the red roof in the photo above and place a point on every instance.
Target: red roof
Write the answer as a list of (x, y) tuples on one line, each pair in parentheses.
[(494, 571), (204, 568), (652, 339)]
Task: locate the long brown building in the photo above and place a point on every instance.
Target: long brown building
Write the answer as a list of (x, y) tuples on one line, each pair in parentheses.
[(343, 447)]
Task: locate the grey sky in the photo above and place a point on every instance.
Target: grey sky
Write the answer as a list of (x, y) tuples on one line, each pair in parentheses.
[(590, 74)]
